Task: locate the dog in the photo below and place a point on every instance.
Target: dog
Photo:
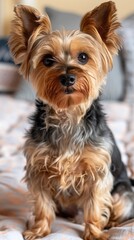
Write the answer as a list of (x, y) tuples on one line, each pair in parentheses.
[(72, 156)]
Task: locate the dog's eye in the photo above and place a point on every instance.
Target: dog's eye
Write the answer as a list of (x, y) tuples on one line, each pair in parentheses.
[(48, 60), (83, 58)]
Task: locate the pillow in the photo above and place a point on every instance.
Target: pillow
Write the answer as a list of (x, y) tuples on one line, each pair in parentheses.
[(59, 19), (9, 76), (127, 33), (5, 56), (25, 91), (115, 81), (115, 85)]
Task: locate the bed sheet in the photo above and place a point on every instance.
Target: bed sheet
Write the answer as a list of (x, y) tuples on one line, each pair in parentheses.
[(14, 201)]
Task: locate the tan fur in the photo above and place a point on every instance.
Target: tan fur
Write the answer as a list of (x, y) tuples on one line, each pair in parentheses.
[(88, 81), (28, 48), (122, 206), (88, 185), (93, 23), (67, 174)]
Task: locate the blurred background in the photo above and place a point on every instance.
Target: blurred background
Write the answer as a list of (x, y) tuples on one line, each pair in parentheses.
[(6, 8)]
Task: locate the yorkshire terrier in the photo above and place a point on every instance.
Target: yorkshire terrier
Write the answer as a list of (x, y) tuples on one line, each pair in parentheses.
[(72, 156)]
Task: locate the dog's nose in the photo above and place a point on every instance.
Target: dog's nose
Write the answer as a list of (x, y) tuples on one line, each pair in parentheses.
[(67, 80)]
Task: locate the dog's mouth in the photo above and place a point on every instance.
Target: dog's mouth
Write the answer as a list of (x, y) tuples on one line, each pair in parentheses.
[(68, 90)]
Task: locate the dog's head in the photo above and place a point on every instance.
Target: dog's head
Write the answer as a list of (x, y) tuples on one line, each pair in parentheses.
[(65, 68)]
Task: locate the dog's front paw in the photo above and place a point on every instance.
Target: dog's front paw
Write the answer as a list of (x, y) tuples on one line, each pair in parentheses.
[(33, 234), (94, 233), (29, 235), (89, 236)]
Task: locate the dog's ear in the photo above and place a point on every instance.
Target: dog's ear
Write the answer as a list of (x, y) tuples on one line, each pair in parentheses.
[(102, 22), (27, 21)]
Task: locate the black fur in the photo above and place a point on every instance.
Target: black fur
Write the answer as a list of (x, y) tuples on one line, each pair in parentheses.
[(94, 119)]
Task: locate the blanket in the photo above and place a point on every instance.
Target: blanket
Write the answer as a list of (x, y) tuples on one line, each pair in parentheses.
[(14, 202)]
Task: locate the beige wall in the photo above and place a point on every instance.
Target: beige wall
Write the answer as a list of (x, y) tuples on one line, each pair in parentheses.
[(124, 7), (81, 6), (6, 15)]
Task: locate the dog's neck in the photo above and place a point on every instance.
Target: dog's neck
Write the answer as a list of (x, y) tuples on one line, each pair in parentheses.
[(66, 127), (69, 130), (70, 116)]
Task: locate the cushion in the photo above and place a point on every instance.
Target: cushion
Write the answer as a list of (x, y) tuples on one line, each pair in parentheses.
[(114, 88), (9, 76), (127, 33), (25, 91), (5, 56), (115, 81), (60, 19)]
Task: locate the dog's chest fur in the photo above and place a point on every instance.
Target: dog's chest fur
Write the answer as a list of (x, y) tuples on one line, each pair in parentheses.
[(65, 145), (65, 158)]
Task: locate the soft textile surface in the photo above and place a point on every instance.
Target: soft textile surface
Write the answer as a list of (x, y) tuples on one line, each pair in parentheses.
[(127, 32), (14, 204), (9, 76), (5, 56)]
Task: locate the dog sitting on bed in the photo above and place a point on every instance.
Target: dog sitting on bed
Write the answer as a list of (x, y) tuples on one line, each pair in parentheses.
[(72, 156)]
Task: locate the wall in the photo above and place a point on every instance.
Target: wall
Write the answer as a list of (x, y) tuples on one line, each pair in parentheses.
[(124, 7), (6, 15)]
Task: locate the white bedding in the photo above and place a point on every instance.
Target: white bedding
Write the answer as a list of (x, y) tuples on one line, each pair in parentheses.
[(14, 204)]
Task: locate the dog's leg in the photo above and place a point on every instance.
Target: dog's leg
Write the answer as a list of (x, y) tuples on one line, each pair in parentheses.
[(97, 210), (44, 214), (97, 199), (43, 205), (123, 196), (123, 206)]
